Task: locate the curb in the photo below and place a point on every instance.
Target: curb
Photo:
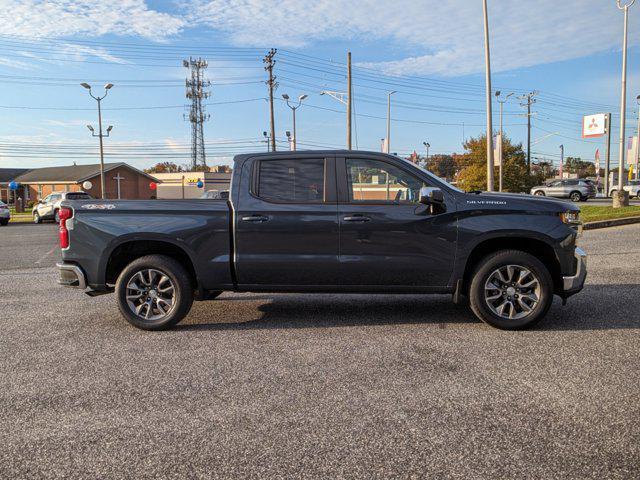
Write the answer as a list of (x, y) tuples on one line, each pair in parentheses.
[(614, 222)]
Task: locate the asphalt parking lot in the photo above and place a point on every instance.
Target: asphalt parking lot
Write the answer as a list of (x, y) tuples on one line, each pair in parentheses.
[(298, 386)]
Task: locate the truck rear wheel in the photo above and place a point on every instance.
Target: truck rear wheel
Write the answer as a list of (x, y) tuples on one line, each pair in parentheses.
[(511, 290), (154, 292)]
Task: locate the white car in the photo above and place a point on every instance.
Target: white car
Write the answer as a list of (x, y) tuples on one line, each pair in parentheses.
[(5, 214), (633, 187), (47, 209)]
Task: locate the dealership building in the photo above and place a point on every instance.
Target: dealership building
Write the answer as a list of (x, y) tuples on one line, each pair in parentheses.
[(185, 184)]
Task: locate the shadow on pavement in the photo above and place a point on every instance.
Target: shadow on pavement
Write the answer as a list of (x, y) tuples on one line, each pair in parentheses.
[(597, 307)]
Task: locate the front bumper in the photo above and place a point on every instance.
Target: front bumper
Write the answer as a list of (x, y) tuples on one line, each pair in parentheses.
[(574, 283), (71, 276)]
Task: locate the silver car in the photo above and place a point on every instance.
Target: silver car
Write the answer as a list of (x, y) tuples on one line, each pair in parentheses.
[(575, 189), (5, 214), (633, 187), (47, 209)]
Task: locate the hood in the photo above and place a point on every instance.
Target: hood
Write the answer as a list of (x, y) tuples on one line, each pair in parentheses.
[(515, 201)]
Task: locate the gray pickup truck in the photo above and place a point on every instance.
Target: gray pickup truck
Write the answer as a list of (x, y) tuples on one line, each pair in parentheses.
[(326, 221)]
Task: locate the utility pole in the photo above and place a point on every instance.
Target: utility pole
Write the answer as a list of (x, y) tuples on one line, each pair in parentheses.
[(349, 100), (529, 101), (487, 60), (100, 135), (561, 160), (269, 63), (622, 196), (501, 159), (388, 149), (607, 161)]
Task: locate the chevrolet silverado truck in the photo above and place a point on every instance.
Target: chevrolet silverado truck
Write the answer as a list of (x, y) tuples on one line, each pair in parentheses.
[(326, 221)]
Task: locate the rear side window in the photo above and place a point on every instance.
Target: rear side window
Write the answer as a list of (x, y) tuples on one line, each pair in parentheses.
[(291, 180)]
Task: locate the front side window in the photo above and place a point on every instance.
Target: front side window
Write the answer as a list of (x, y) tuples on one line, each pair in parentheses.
[(373, 180), (291, 180)]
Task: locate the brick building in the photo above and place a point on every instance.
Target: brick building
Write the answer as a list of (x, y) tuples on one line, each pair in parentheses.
[(121, 181), (7, 175)]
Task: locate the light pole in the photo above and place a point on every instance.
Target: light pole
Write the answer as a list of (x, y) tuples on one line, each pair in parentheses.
[(267, 139), (100, 135), (487, 61), (638, 141), (293, 109), (388, 149), (621, 198), (561, 170), (426, 145), (501, 102)]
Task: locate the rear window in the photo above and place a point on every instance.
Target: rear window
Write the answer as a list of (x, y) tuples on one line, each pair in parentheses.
[(78, 196), (291, 180)]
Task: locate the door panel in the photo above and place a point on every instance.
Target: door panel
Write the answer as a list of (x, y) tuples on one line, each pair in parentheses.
[(287, 229), (396, 242)]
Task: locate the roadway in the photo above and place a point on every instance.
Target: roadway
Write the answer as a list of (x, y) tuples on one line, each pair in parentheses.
[(257, 385)]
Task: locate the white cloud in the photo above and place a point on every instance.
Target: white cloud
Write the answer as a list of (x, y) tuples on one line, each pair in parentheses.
[(56, 18), (446, 35)]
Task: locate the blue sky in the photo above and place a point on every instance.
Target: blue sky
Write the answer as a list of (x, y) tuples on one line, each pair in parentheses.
[(431, 52)]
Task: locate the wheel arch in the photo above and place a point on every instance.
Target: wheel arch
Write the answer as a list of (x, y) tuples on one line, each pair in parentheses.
[(534, 246), (127, 251)]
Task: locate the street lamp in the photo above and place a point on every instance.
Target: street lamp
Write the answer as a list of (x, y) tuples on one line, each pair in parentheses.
[(621, 198), (267, 139), (389, 121), (293, 109), (501, 102), (426, 145), (100, 135)]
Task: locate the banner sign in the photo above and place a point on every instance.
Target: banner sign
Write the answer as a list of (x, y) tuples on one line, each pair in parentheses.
[(594, 125), (632, 150)]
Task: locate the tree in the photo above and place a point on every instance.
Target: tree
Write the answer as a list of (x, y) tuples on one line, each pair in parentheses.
[(164, 167), (443, 166), (580, 167), (473, 167)]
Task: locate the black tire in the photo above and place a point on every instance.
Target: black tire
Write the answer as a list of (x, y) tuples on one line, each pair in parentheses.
[(56, 216), (575, 196), (539, 193), (485, 270), (37, 218), (181, 284)]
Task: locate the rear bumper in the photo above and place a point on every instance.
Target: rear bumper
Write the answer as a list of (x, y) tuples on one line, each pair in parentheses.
[(574, 283), (71, 275)]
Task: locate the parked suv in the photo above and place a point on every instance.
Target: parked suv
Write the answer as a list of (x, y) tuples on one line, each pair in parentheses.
[(633, 187), (577, 189), (48, 208)]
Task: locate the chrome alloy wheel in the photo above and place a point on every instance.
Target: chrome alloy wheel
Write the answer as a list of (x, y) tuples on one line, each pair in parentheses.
[(150, 294), (512, 292)]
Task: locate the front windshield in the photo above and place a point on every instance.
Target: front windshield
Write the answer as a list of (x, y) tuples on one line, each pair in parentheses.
[(435, 177)]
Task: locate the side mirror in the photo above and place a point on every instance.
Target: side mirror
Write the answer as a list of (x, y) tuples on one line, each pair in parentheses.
[(431, 196)]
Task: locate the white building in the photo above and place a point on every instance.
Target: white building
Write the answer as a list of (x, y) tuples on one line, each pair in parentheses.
[(185, 184)]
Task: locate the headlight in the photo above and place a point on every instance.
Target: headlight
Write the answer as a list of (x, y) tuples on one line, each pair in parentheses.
[(572, 219)]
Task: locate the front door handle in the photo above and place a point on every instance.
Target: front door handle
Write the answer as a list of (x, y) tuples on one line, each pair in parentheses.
[(255, 218), (356, 218)]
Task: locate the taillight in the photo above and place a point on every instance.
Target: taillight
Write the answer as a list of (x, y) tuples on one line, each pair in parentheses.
[(64, 214)]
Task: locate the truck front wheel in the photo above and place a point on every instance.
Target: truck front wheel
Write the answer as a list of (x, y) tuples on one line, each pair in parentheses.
[(154, 292), (511, 290)]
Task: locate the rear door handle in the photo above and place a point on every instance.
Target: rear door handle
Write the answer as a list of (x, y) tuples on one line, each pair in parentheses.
[(356, 218), (255, 218)]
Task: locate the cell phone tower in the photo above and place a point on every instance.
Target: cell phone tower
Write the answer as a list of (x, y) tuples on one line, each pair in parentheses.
[(196, 92)]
